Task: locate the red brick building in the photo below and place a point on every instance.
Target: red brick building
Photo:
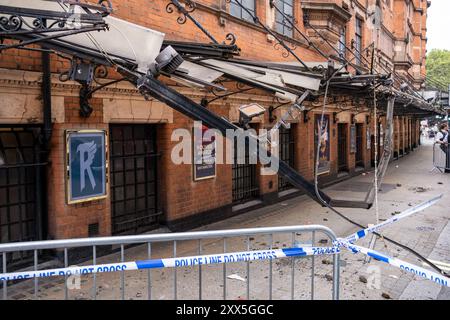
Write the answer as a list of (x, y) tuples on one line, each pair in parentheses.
[(145, 188)]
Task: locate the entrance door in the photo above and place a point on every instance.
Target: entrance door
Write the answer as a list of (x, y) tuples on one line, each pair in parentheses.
[(20, 189), (245, 178), (287, 154), (342, 147), (359, 158), (134, 193)]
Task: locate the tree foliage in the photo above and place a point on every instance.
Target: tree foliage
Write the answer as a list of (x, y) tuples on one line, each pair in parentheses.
[(438, 69)]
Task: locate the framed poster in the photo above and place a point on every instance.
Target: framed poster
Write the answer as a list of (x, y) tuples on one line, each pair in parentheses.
[(368, 139), (324, 148), (204, 155), (353, 138), (86, 162)]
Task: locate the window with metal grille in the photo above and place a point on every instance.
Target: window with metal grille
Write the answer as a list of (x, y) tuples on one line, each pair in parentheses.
[(245, 179), (281, 25), (20, 197), (134, 194), (237, 11), (358, 40), (342, 42), (342, 147), (287, 154), (359, 159)]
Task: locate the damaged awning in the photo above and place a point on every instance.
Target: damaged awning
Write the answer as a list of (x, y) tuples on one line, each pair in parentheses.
[(123, 40), (284, 84), (134, 45), (97, 49)]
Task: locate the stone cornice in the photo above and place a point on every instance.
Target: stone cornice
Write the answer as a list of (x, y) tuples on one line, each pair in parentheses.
[(14, 81), (332, 8)]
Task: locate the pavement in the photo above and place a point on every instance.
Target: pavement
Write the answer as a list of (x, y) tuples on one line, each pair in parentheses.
[(409, 181)]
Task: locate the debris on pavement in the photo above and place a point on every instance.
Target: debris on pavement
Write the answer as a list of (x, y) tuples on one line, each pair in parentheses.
[(386, 296), (236, 277), (363, 279)]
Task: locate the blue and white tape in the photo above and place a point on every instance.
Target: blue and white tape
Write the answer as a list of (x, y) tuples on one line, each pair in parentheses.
[(420, 207), (245, 256), (175, 262), (405, 266)]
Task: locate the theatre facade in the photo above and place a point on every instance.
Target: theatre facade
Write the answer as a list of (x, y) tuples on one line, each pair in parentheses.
[(135, 186)]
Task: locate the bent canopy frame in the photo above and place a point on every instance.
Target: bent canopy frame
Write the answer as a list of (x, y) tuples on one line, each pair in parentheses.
[(295, 85)]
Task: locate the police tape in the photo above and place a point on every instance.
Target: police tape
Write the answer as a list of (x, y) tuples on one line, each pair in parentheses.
[(251, 256), (420, 207), (405, 266), (175, 262)]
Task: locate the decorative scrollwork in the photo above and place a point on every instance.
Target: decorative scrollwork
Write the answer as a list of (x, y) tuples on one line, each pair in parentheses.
[(240, 85), (64, 76), (108, 7), (285, 51), (190, 6), (240, 88), (319, 68), (184, 11), (215, 91), (100, 72), (231, 38), (38, 23), (316, 103), (279, 46), (13, 23)]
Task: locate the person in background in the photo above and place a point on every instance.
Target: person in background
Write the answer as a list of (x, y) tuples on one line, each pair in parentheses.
[(442, 139)]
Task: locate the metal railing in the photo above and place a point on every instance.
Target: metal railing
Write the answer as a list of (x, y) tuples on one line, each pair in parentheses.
[(441, 157), (180, 244)]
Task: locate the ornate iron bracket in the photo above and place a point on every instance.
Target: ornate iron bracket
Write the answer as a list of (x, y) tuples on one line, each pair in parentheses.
[(85, 74), (185, 11), (272, 109), (33, 26), (240, 89)]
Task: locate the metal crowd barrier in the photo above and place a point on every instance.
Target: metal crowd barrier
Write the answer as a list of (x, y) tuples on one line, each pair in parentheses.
[(226, 240), (441, 157)]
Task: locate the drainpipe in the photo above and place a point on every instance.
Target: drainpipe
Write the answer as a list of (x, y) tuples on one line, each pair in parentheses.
[(47, 99), (41, 171)]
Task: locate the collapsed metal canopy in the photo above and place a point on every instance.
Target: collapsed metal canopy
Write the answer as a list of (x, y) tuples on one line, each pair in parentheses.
[(136, 69), (137, 51)]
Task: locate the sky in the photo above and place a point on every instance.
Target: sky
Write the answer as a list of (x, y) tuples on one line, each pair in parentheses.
[(438, 25)]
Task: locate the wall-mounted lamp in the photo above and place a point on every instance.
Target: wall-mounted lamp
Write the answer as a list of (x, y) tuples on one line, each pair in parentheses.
[(248, 112)]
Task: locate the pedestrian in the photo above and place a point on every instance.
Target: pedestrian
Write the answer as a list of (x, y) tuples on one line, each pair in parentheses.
[(442, 139)]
